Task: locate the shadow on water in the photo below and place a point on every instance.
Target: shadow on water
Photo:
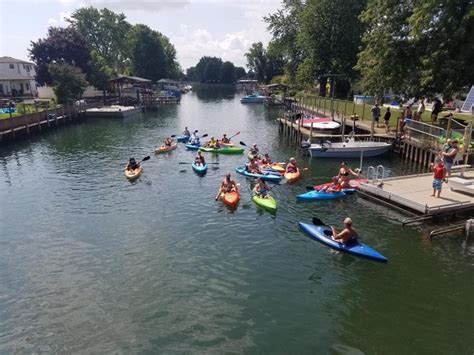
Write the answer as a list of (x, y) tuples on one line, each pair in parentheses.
[(214, 92)]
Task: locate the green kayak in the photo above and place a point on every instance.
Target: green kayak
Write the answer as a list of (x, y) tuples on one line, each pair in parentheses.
[(223, 150), (268, 203)]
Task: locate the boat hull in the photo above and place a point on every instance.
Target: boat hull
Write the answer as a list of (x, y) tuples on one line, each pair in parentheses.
[(319, 151)]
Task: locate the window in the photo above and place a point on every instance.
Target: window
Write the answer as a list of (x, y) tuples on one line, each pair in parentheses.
[(28, 68), (12, 66), (27, 87)]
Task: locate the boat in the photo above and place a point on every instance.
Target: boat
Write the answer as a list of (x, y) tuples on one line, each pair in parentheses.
[(182, 139), (230, 199), (268, 203), (323, 235), (320, 124), (323, 195), (254, 98), (264, 176), (222, 150), (277, 167), (190, 146), (292, 177), (133, 174), (199, 169), (348, 149), (354, 184), (166, 149)]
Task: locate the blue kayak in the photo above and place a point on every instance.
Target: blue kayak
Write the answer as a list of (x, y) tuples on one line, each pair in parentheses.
[(321, 195), (190, 146), (200, 169), (264, 176), (182, 139), (323, 234)]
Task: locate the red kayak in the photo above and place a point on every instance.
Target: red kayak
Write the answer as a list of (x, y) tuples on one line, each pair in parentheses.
[(355, 184)]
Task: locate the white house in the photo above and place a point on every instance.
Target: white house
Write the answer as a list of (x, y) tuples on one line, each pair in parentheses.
[(17, 77)]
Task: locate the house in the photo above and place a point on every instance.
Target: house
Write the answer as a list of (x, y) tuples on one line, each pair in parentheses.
[(17, 77)]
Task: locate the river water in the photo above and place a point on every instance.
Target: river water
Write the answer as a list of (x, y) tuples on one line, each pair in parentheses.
[(91, 263)]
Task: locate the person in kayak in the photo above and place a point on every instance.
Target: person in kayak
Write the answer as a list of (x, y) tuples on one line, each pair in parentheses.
[(343, 175), (132, 164), (291, 167), (252, 166), (199, 160), (186, 132), (254, 150), (228, 185), (194, 138), (266, 160), (225, 139), (167, 142), (334, 187), (212, 143), (261, 188), (347, 235), (439, 175)]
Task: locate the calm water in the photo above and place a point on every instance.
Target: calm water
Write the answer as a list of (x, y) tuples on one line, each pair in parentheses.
[(91, 263)]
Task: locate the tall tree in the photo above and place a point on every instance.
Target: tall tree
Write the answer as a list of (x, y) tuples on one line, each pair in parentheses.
[(61, 45), (212, 70), (227, 75), (69, 82), (257, 61), (240, 72), (105, 32)]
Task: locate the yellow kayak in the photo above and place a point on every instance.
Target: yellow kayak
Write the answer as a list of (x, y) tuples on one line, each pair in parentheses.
[(133, 174), (292, 177), (165, 149)]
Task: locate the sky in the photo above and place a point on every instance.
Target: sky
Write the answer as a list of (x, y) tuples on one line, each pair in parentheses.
[(222, 28)]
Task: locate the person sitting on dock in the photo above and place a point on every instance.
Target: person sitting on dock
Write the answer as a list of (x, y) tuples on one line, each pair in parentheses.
[(167, 142), (261, 188), (132, 164), (199, 160), (343, 175), (225, 139), (186, 132), (291, 167), (252, 166), (449, 155), (228, 185), (347, 235), (438, 177)]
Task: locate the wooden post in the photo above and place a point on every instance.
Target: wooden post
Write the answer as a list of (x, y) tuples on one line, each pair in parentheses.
[(363, 109), (47, 116), (448, 128), (38, 116), (311, 132)]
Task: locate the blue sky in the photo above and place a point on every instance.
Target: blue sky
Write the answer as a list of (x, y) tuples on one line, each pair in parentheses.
[(222, 28)]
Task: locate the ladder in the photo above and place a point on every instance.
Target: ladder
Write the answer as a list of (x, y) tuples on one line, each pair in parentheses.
[(378, 174)]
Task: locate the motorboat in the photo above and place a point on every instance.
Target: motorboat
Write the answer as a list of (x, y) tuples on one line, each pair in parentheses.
[(254, 98), (350, 148)]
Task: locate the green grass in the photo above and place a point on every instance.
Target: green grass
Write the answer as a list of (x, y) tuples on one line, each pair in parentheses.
[(22, 109)]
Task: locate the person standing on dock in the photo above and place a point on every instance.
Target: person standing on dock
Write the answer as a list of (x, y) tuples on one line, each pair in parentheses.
[(386, 119), (376, 114), (438, 177), (437, 108), (449, 154)]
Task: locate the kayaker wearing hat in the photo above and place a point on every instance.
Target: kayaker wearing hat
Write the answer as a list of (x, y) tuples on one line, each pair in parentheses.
[(347, 235), (132, 164), (227, 185)]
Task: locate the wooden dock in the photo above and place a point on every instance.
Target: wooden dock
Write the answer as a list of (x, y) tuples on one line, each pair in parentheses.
[(412, 193)]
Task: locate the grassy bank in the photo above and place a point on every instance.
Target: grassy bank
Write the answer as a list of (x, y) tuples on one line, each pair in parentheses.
[(25, 109)]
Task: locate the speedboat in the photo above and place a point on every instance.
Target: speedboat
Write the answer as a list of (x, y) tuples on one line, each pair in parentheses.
[(348, 149), (320, 124), (254, 98)]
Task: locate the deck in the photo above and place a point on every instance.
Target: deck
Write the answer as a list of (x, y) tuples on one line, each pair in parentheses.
[(413, 193)]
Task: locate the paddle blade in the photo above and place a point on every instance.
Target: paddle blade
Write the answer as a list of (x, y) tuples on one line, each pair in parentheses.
[(146, 158), (242, 143), (204, 135), (173, 135), (182, 162), (310, 188), (318, 222)]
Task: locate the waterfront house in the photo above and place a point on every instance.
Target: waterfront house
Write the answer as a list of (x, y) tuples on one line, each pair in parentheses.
[(17, 77)]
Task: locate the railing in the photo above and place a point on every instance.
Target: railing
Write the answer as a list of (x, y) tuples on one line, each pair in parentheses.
[(428, 136)]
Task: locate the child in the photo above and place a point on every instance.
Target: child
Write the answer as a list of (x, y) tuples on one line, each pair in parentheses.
[(438, 177), (261, 189)]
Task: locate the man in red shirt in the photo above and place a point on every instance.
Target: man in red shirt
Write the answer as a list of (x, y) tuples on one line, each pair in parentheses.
[(438, 177)]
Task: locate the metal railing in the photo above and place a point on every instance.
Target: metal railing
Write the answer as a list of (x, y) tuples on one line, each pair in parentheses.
[(427, 135)]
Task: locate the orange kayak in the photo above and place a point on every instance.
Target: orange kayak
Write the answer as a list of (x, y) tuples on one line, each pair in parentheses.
[(231, 199), (292, 177), (133, 174), (165, 149)]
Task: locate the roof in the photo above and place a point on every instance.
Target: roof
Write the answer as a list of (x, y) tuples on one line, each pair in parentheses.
[(15, 76), (168, 81), (13, 60), (130, 79), (271, 86)]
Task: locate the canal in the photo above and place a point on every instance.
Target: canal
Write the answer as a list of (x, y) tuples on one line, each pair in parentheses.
[(92, 263)]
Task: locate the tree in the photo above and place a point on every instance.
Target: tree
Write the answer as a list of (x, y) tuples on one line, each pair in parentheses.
[(227, 75), (240, 73), (105, 32), (69, 82), (330, 37), (212, 71), (265, 63), (62, 45)]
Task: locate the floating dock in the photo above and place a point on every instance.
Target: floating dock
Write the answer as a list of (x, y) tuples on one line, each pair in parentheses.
[(114, 111), (412, 193)]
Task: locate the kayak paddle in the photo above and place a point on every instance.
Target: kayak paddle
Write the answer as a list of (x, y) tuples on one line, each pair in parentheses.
[(310, 188), (234, 135), (144, 159), (183, 162), (318, 222), (242, 143)]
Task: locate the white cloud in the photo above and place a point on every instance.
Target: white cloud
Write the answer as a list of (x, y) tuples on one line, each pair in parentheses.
[(135, 5), (52, 21), (61, 20)]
